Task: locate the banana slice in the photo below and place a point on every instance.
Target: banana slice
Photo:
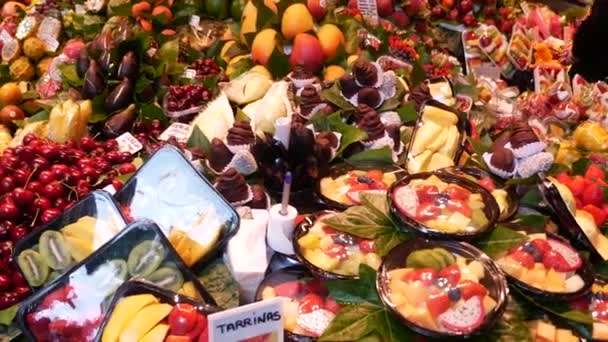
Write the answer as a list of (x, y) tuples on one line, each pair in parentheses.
[(451, 142), (425, 136), (438, 142), (420, 162), (439, 161), (439, 116)]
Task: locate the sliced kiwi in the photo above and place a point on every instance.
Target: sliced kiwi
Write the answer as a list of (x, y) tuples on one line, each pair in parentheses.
[(35, 270), (447, 257), (145, 258), (54, 275), (167, 277), (422, 259), (54, 250)]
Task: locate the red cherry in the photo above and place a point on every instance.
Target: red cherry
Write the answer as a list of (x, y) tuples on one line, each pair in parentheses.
[(34, 186), (53, 190), (21, 176), (126, 157), (29, 138), (23, 197), (110, 145), (91, 174), (8, 211), (182, 319), (7, 184), (18, 233), (83, 163), (113, 157), (46, 176), (42, 203), (49, 152), (49, 214), (40, 163), (87, 143), (10, 162), (60, 171), (17, 279), (465, 6), (60, 203), (25, 153), (5, 228), (22, 292), (73, 177), (117, 184), (5, 282), (6, 248), (126, 168)]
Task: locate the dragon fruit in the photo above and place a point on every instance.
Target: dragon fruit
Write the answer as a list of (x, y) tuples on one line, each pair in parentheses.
[(406, 200), (571, 257), (464, 317)]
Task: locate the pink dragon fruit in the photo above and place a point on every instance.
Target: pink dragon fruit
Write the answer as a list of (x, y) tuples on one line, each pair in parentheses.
[(465, 317), (72, 48), (571, 257)]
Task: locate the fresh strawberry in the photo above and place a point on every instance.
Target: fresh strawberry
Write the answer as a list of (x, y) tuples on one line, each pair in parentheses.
[(541, 245), (427, 211), (599, 215), (427, 193), (451, 273), (201, 325), (204, 337), (38, 326), (438, 303), (460, 206), (594, 195), (332, 305), (601, 310), (310, 303), (563, 178), (578, 203), (290, 289), (379, 186), (336, 251), (523, 258), (359, 187), (487, 183), (594, 172), (576, 185), (469, 288), (366, 246), (424, 275), (457, 192), (553, 259), (329, 230), (605, 209), (376, 175)]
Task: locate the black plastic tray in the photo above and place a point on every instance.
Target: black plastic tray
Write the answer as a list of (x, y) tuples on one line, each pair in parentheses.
[(96, 204), (118, 247), (148, 192)]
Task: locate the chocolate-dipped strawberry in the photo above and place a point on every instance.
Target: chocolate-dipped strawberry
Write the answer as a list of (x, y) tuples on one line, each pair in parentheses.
[(302, 77), (240, 134), (310, 101), (362, 110), (301, 142), (232, 186), (502, 140), (394, 132), (348, 86), (370, 97), (372, 125), (501, 162), (219, 155), (419, 94), (524, 141), (366, 74), (259, 200)]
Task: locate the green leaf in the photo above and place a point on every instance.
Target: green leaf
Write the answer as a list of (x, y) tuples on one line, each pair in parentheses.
[(217, 279), (151, 111), (350, 134), (42, 115), (265, 17), (278, 63), (500, 240), (418, 74), (198, 139), (384, 243), (557, 169), (537, 222), (333, 95), (7, 316), (355, 291), (382, 155), (531, 198), (407, 112), (352, 323), (559, 309), (123, 10), (70, 76), (580, 166)]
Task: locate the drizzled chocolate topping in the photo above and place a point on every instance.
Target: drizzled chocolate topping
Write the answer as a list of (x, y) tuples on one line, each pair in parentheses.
[(301, 141), (503, 159), (309, 99), (419, 94), (365, 73), (370, 97), (348, 86), (219, 155), (523, 135), (395, 133), (300, 72), (362, 110), (240, 134), (232, 186), (259, 197), (372, 125)]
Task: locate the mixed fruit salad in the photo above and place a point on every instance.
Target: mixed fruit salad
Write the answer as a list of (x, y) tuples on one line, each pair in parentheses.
[(441, 206), (346, 188), (544, 263), (145, 318), (337, 252), (307, 307), (598, 306), (440, 291)]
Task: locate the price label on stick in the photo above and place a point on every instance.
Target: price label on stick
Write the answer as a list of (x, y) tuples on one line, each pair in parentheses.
[(128, 143), (177, 130), (369, 10), (263, 320)]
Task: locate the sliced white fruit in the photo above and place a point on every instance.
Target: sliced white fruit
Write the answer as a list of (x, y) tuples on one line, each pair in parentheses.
[(425, 136)]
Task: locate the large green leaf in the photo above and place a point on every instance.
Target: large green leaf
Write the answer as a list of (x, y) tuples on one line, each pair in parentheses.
[(382, 155), (500, 240), (333, 95), (199, 140), (407, 112), (350, 134), (356, 291), (278, 63)]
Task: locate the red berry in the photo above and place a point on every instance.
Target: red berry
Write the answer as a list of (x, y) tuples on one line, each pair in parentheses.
[(523, 258), (8, 211), (451, 273), (465, 6), (311, 302), (336, 251), (594, 172), (46, 176), (21, 176), (117, 184), (5, 282), (469, 288), (427, 211), (553, 259), (438, 303), (126, 168), (18, 233), (577, 185), (42, 203), (593, 195), (23, 197), (366, 246), (487, 183), (7, 184), (34, 186), (599, 215), (49, 214), (427, 193), (53, 190), (17, 279), (424, 275)]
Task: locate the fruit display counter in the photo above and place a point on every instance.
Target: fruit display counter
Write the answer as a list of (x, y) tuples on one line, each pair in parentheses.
[(384, 170)]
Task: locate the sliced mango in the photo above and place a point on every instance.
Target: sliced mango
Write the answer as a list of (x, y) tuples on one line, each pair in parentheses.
[(123, 313), (146, 319), (157, 334), (79, 248)]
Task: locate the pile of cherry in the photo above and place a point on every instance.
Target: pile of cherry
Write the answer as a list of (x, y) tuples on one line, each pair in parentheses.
[(38, 180)]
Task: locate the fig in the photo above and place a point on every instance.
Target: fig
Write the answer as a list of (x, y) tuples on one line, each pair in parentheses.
[(120, 97), (120, 122), (33, 267), (168, 278), (145, 258), (105, 61), (94, 82), (128, 67), (54, 250), (82, 62)]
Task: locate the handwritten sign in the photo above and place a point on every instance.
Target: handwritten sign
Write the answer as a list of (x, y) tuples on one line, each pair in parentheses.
[(177, 130), (369, 10), (128, 143), (261, 319)]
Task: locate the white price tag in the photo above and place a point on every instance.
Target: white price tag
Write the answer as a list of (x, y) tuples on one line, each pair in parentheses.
[(177, 130), (369, 10), (128, 143), (260, 319), (189, 74), (195, 20)]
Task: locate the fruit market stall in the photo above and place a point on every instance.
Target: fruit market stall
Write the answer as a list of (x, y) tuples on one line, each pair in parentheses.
[(385, 170)]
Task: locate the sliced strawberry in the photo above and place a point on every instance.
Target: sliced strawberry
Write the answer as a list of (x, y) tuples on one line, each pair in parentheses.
[(332, 305), (427, 211), (359, 187), (599, 215), (376, 175), (487, 183), (379, 186), (594, 172), (541, 245), (438, 303), (425, 275), (523, 258), (366, 246), (457, 192), (577, 185), (451, 273), (563, 178), (427, 193), (469, 288), (310, 303), (336, 251), (460, 206), (594, 195), (556, 261), (601, 310), (605, 208), (328, 230), (290, 289), (578, 203)]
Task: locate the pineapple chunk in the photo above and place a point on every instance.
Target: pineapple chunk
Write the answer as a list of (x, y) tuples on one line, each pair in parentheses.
[(439, 116), (310, 241), (600, 331), (512, 267), (435, 145), (458, 221), (488, 303), (556, 281), (290, 312), (476, 268), (439, 161), (321, 260), (326, 241), (420, 162), (425, 136), (399, 273), (452, 142), (536, 275), (415, 293), (398, 299), (546, 331), (541, 236), (268, 293), (373, 260)]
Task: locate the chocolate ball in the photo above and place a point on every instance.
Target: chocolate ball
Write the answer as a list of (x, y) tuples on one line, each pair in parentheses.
[(219, 155), (370, 97), (348, 86), (240, 134), (366, 73), (503, 159)]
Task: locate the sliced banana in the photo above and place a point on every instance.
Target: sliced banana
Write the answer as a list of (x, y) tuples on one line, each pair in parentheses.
[(439, 116), (425, 136), (451, 142), (420, 162)]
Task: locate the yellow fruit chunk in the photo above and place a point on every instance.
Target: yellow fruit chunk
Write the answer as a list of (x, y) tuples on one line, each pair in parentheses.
[(331, 39), (124, 311), (157, 334), (591, 136), (144, 321), (189, 290), (333, 72), (439, 161), (296, 19), (439, 116), (79, 249), (263, 45), (425, 136)]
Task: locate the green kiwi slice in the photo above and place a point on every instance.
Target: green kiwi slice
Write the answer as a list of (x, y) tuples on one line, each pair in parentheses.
[(145, 258), (35, 270), (54, 250), (167, 277)]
